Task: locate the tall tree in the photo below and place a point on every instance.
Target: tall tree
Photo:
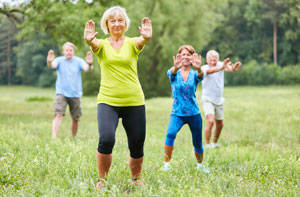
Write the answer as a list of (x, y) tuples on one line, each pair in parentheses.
[(272, 10), (13, 17)]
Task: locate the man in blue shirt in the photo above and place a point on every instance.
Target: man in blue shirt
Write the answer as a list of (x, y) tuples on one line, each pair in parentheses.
[(68, 85)]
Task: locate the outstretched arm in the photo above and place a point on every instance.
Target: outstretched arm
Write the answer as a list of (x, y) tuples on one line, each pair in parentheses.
[(217, 69), (146, 33), (90, 35), (50, 58), (233, 68)]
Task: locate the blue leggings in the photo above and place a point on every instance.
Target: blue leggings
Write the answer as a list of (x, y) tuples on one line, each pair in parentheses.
[(195, 124)]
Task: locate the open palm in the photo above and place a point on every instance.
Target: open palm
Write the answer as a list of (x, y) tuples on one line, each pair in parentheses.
[(89, 31), (51, 56), (146, 29), (178, 61), (196, 61)]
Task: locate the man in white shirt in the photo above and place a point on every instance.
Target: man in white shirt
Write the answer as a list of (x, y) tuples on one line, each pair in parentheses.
[(212, 95)]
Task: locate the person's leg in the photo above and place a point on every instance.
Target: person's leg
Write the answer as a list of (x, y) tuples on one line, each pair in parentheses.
[(175, 125), (107, 123), (59, 110), (168, 152), (134, 122), (210, 119), (75, 111), (56, 123), (74, 127), (209, 112), (219, 123), (218, 129), (199, 157), (103, 164), (195, 124)]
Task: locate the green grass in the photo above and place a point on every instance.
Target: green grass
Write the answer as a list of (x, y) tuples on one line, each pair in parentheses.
[(259, 153)]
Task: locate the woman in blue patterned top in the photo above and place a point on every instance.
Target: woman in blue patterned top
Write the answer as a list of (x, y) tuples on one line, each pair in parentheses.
[(185, 108)]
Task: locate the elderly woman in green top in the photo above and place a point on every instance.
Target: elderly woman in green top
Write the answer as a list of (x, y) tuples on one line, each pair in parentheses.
[(120, 94)]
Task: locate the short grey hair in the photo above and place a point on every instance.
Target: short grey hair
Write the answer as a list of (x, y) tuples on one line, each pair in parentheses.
[(112, 12), (212, 53), (69, 44)]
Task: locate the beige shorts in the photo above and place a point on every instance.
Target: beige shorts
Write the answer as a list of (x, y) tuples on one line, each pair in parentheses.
[(61, 104), (216, 110)]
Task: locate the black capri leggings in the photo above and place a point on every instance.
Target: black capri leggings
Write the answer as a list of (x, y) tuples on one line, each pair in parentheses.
[(134, 123)]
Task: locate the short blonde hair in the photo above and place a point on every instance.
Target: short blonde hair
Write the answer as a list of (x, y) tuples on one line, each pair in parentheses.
[(212, 53), (112, 12), (189, 48), (69, 44)]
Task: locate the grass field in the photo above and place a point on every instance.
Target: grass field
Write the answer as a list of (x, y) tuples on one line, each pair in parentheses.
[(259, 153)]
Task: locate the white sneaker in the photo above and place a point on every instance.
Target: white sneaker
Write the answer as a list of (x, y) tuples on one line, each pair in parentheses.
[(203, 169), (208, 146), (214, 145), (166, 167)]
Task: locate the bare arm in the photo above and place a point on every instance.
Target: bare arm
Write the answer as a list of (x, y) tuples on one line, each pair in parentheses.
[(217, 69), (90, 35), (146, 33), (50, 58)]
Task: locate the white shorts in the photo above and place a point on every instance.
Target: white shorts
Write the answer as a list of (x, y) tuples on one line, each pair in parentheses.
[(211, 108)]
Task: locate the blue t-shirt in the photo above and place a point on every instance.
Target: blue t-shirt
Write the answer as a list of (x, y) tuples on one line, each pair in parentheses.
[(184, 98), (68, 82)]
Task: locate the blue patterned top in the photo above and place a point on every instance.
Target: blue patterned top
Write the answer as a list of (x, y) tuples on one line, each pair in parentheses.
[(184, 98)]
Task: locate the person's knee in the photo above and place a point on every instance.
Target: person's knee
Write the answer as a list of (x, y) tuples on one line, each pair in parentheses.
[(59, 116), (219, 124), (171, 136), (210, 122), (136, 150), (199, 149), (106, 145)]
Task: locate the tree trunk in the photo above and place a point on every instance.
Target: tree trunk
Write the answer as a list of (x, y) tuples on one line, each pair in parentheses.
[(8, 61), (275, 42)]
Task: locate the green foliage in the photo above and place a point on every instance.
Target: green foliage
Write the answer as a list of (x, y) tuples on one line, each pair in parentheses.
[(173, 25), (38, 98), (32, 66), (91, 81), (239, 29), (255, 73), (8, 60), (258, 155)]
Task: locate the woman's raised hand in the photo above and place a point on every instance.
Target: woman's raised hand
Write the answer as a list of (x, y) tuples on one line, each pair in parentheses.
[(177, 61), (146, 29), (196, 61), (89, 32)]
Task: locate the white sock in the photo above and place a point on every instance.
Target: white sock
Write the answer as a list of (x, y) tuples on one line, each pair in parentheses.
[(199, 165), (167, 164)]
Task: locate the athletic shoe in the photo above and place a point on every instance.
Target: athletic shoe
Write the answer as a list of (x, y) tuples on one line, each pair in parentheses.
[(208, 146), (203, 169), (214, 145), (166, 167), (101, 183), (137, 182)]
